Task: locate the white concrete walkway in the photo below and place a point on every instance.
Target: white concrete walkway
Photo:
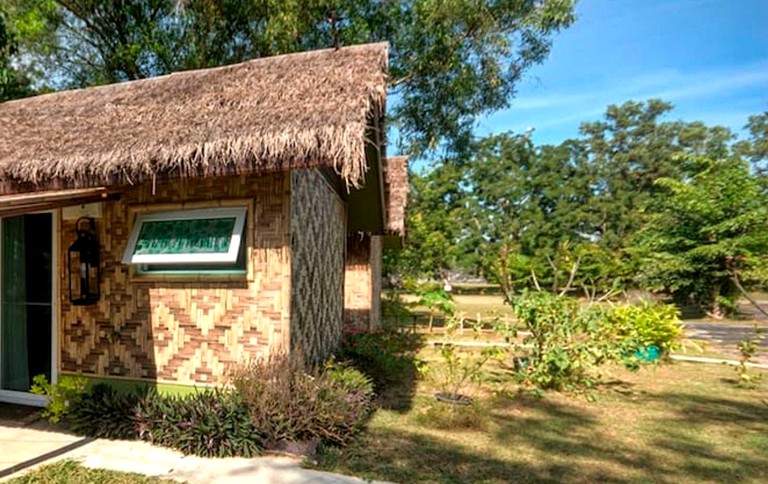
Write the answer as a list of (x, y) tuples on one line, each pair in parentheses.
[(134, 456), (19, 444)]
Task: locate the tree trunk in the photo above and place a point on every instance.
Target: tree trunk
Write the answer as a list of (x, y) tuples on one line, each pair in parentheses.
[(715, 308)]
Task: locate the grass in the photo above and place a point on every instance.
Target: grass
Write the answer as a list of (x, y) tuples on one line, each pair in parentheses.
[(672, 423), (70, 472), (675, 423)]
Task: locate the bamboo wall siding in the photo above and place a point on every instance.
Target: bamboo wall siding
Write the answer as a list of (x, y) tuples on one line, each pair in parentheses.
[(318, 227), (185, 331), (362, 283)]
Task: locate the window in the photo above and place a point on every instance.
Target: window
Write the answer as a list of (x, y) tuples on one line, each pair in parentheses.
[(181, 241)]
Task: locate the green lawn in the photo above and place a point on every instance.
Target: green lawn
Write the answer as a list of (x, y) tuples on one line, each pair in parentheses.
[(70, 472), (680, 422), (673, 423)]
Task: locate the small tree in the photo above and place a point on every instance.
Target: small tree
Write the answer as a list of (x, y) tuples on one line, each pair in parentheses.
[(703, 231), (437, 301)]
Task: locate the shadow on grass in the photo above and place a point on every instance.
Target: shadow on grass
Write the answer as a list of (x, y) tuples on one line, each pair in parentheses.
[(402, 456), (675, 437), (691, 430), (411, 456), (693, 410)]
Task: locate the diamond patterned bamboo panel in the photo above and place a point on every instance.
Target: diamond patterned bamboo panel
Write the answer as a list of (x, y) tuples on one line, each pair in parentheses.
[(186, 331), (318, 227)]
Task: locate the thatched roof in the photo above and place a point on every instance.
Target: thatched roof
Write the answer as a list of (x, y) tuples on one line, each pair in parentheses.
[(396, 193), (293, 111)]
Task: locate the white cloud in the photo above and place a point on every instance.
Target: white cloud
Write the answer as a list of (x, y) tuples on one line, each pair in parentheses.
[(669, 85)]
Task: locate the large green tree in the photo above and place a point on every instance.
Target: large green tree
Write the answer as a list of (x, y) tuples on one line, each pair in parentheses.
[(450, 60), (566, 217), (755, 148), (629, 150), (527, 205), (13, 84), (706, 232), (436, 220)]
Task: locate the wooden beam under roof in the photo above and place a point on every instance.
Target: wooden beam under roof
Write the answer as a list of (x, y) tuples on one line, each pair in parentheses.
[(22, 203)]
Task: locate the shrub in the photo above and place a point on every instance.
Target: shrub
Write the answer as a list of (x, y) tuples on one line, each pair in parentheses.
[(451, 417), (459, 369), (209, 423), (62, 396), (106, 413), (289, 403), (386, 356), (394, 310), (566, 341), (647, 324)]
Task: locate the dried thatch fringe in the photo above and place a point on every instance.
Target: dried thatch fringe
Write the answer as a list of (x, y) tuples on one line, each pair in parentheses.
[(279, 113)]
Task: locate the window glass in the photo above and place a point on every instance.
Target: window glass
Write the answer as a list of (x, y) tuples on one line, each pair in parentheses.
[(195, 240)]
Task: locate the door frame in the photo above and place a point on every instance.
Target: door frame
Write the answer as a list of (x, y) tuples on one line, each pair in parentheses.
[(25, 398)]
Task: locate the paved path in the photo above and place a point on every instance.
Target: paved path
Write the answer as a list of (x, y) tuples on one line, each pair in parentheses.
[(134, 456), (18, 444)]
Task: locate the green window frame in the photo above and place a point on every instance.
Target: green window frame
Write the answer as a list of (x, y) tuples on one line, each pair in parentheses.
[(192, 240)]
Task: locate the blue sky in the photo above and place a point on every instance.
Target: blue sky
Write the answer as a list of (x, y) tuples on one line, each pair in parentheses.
[(708, 57)]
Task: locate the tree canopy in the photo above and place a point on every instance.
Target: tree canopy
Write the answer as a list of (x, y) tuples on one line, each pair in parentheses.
[(450, 60), (634, 201), (13, 84), (704, 231)]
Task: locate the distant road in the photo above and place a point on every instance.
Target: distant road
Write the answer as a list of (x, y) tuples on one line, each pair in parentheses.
[(723, 333)]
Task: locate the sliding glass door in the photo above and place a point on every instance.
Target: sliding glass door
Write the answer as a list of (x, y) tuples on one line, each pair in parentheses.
[(26, 304)]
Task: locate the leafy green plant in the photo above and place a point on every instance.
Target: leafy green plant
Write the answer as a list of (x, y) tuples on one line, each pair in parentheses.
[(62, 395), (565, 342), (209, 423), (647, 324), (458, 369), (290, 403), (748, 349), (437, 301), (394, 309), (107, 413), (386, 356)]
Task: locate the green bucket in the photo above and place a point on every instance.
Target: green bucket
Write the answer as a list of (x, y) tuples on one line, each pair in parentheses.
[(649, 353)]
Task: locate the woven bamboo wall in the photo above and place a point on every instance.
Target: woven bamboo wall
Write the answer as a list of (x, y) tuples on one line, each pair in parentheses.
[(183, 331), (362, 283), (318, 228)]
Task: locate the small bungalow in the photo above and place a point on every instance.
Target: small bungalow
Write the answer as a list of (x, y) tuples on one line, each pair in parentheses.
[(165, 229)]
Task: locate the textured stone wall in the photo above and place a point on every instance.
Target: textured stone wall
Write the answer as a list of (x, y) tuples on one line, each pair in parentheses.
[(318, 236), (362, 283), (183, 330)]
